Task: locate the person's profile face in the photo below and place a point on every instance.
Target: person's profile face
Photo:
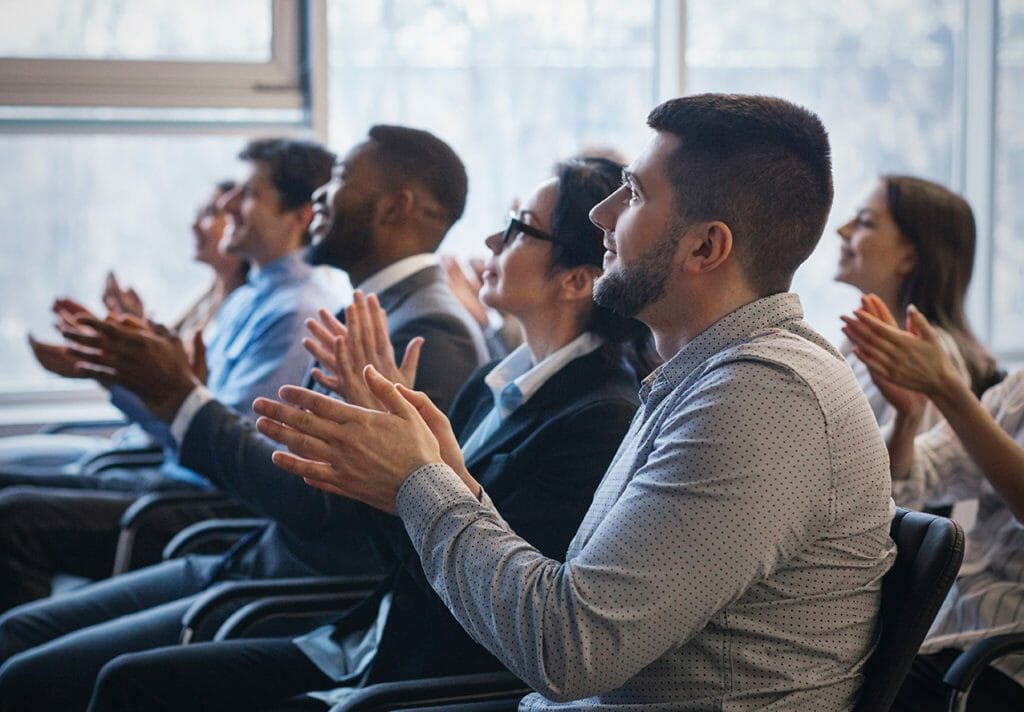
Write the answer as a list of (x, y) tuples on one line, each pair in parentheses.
[(256, 222), (343, 208), (636, 220), (517, 278), (875, 257)]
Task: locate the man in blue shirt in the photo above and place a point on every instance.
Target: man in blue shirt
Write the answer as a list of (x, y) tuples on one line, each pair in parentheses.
[(68, 521)]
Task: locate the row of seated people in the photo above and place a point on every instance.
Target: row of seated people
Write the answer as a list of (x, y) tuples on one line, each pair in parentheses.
[(631, 615)]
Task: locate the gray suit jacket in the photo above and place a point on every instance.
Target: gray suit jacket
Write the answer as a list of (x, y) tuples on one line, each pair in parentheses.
[(313, 532)]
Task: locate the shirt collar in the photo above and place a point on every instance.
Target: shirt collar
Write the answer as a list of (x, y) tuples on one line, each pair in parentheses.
[(396, 272), (517, 370), (284, 269), (765, 313)]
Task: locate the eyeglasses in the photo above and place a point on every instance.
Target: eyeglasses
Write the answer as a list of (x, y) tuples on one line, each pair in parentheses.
[(516, 226)]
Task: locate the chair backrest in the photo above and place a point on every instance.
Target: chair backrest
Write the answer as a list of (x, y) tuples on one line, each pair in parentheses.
[(929, 550)]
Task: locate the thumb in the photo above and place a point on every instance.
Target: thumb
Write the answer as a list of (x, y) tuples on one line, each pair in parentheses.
[(918, 325), (411, 360), (421, 402), (385, 392)]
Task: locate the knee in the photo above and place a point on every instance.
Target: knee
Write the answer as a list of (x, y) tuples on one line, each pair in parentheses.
[(115, 685), (23, 683)]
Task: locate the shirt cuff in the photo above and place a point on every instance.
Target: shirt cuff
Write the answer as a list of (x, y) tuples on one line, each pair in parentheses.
[(195, 400), (427, 493)]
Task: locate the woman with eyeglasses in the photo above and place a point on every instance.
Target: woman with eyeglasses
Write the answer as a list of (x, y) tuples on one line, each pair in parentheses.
[(538, 429)]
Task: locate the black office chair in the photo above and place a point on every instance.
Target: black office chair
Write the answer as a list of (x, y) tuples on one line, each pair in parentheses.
[(964, 671), (929, 552)]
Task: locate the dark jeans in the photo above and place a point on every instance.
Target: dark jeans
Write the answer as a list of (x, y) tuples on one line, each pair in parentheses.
[(52, 650), (45, 530), (922, 691), (237, 675)]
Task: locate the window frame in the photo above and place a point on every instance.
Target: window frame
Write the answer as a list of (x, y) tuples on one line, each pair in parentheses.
[(279, 83)]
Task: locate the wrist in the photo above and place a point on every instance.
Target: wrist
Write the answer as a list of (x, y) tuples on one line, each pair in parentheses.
[(951, 392)]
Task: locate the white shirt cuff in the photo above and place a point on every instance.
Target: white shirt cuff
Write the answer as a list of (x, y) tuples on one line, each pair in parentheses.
[(195, 400)]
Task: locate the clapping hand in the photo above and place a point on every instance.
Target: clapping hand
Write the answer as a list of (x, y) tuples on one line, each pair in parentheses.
[(344, 350), (147, 359), (365, 454)]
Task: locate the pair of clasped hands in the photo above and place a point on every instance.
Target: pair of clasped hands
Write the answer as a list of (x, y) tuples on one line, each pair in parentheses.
[(363, 447)]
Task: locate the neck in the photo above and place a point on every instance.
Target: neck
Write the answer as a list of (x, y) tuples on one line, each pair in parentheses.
[(676, 322), (545, 333)]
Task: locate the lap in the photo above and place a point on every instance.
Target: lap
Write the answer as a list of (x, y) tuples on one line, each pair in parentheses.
[(245, 674), (40, 622)]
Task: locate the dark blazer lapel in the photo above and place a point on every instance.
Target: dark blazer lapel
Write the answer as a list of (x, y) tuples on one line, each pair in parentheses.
[(564, 387)]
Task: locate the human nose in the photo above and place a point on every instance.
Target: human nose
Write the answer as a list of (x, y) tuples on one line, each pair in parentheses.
[(495, 242), (846, 230), (229, 202), (603, 215)]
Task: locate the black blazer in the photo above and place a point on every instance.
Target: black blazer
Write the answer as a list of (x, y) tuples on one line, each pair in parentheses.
[(540, 469), (313, 532)]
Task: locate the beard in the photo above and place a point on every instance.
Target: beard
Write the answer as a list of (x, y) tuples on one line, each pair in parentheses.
[(629, 290), (346, 240)]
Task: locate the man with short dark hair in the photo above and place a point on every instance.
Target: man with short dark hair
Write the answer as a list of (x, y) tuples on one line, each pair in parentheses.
[(733, 554), (388, 204)]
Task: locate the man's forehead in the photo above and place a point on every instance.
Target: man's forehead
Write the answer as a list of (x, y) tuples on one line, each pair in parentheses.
[(648, 167)]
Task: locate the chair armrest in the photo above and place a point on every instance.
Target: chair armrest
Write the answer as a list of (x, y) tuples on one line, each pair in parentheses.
[(210, 605), (150, 456), (109, 424), (200, 534), (970, 663), (292, 606), (435, 691), (149, 507)]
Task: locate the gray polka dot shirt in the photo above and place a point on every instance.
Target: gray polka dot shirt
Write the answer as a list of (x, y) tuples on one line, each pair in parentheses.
[(733, 554)]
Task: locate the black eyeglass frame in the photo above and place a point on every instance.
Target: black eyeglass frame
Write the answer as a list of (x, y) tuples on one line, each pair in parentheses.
[(515, 225)]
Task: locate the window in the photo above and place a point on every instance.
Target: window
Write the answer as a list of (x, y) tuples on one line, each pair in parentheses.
[(1007, 261), (513, 85), (116, 120), (881, 74)]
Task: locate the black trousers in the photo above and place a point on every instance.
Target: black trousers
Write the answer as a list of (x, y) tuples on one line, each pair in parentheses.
[(244, 675), (922, 691), (52, 650), (45, 530)]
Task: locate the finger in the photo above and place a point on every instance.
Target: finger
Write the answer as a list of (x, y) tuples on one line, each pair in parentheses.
[(298, 419), (386, 393), (311, 470), (919, 325), (319, 353), (379, 326), (878, 309), (345, 367), (321, 333), (361, 344), (329, 382), (411, 361), (331, 322), (423, 405), (83, 338), (874, 365), (298, 442), (104, 375), (326, 409)]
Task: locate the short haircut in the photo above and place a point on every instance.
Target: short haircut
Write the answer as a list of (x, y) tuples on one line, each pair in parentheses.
[(297, 168), (759, 164), (407, 156)]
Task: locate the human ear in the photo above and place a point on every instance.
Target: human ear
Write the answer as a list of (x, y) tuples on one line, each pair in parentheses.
[(395, 206), (578, 282), (710, 244)]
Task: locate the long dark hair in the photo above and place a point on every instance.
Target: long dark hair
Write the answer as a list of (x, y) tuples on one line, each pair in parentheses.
[(940, 226), (582, 184)]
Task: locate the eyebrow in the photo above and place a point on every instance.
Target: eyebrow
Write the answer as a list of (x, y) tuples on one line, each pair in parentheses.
[(630, 177)]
